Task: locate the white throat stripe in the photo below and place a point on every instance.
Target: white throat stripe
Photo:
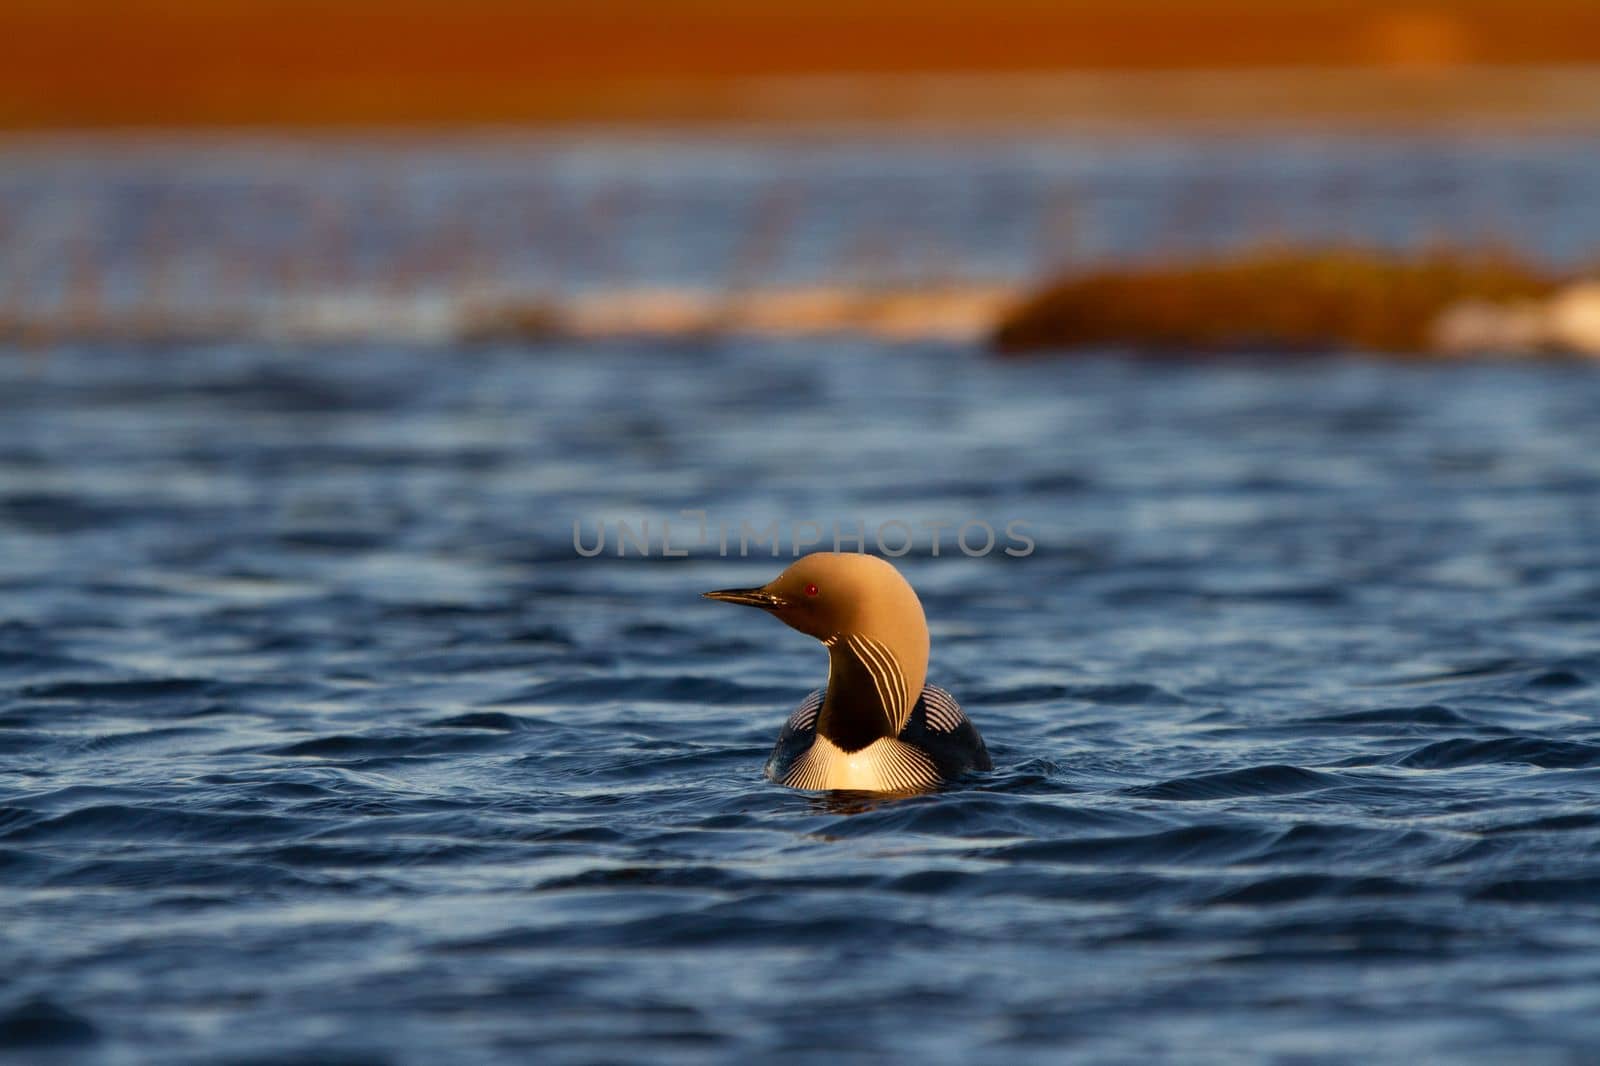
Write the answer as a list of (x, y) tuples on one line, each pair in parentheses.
[(886, 677)]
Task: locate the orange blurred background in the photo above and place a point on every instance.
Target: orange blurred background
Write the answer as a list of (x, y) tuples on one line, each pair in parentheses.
[(100, 63)]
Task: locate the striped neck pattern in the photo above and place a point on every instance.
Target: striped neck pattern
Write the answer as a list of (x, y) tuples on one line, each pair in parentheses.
[(867, 697)]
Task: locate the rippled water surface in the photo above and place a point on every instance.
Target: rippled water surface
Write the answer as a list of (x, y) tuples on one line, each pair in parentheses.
[(320, 741)]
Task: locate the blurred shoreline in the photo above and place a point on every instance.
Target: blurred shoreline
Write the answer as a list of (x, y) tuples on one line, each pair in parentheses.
[(1472, 98), (423, 64), (963, 313), (1459, 98), (527, 237), (1290, 303)]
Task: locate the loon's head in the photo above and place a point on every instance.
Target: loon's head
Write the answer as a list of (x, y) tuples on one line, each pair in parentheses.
[(833, 595)]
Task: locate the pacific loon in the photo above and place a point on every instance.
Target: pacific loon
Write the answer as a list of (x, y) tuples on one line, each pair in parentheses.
[(877, 727)]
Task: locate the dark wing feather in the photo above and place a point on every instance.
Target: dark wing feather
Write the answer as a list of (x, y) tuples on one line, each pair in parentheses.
[(941, 728), (799, 732)]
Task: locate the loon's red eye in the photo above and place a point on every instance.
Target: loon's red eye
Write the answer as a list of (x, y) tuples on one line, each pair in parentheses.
[(811, 590)]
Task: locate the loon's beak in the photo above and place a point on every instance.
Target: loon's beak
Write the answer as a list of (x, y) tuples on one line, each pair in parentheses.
[(749, 597)]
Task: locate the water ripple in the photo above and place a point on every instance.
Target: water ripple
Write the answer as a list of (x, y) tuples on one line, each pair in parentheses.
[(318, 743)]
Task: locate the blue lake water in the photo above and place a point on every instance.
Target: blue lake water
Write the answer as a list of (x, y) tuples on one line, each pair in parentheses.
[(320, 742), (159, 227), (319, 736)]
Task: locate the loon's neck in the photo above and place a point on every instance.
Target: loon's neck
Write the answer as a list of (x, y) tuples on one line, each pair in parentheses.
[(867, 696)]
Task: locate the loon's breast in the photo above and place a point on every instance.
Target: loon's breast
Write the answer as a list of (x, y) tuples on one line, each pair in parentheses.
[(938, 744)]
